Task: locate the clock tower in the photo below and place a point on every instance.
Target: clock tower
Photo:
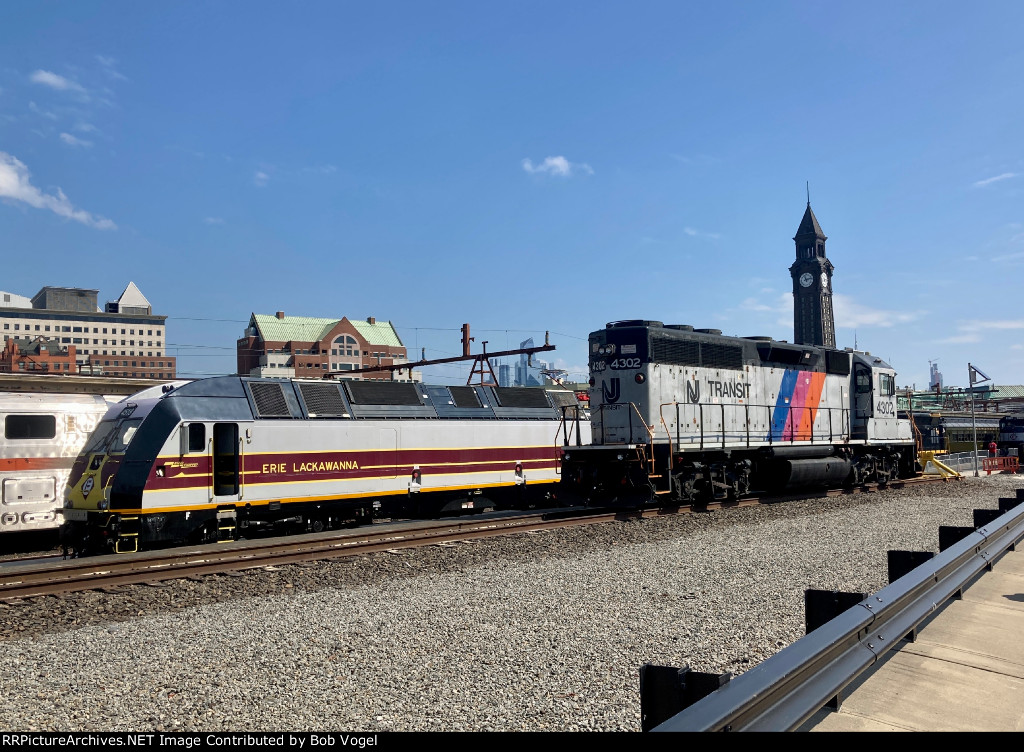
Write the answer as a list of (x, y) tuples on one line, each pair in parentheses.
[(813, 323)]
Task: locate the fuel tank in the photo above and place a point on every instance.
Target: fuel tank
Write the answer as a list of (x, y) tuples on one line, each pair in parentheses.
[(826, 471)]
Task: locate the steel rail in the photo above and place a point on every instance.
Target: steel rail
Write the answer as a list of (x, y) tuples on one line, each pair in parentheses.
[(95, 572), (787, 689), (124, 569)]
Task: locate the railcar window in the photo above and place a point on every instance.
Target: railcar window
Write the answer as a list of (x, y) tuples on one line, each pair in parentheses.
[(30, 426), (196, 437), (125, 433), (886, 384)]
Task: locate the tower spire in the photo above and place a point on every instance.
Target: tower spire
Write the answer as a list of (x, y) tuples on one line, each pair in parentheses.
[(813, 321)]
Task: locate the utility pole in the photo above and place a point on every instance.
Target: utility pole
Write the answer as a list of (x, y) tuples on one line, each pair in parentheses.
[(974, 376)]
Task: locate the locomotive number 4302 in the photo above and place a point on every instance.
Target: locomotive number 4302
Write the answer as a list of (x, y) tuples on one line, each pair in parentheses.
[(621, 364)]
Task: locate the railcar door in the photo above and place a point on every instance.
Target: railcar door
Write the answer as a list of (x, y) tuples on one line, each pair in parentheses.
[(863, 400), (226, 463)]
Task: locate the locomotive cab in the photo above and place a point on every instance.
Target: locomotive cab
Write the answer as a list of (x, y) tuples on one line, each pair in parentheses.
[(873, 412)]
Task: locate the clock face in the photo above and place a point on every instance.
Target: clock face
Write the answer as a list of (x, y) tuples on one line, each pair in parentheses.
[(806, 279), (824, 281)]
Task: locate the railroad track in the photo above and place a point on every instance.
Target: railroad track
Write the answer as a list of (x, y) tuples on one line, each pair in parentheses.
[(39, 577)]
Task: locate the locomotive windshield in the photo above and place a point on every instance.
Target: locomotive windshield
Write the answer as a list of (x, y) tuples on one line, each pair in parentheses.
[(98, 440), (112, 437), (124, 435)]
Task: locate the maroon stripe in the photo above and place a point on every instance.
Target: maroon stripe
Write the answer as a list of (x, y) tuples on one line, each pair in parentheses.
[(282, 468)]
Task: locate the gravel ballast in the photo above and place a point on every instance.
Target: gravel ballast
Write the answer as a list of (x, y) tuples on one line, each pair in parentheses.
[(528, 632)]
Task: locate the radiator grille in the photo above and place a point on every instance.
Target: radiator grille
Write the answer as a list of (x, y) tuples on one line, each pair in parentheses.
[(269, 399), (685, 352), (382, 393), (323, 400), (713, 355), (464, 396), (837, 362), (512, 396), (675, 352)]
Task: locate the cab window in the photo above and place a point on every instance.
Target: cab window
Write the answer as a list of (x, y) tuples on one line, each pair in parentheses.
[(98, 440), (196, 437), (886, 384), (123, 437)]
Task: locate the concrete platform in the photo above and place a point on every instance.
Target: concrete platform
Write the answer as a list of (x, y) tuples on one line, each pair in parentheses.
[(965, 672)]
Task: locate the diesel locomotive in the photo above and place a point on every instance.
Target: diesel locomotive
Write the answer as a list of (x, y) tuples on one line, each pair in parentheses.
[(226, 457), (685, 416)]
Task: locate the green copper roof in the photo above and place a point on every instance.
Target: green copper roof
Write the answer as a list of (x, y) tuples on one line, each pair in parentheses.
[(379, 333), (308, 329), (293, 328)]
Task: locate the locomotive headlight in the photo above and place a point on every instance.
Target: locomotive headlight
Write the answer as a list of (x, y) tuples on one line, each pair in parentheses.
[(602, 350), (610, 350), (620, 457), (103, 504)]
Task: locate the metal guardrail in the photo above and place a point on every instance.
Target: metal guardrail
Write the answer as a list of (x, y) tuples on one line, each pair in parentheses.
[(791, 686)]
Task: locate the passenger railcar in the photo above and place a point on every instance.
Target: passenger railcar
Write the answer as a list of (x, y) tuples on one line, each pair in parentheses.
[(688, 415), (42, 436), (228, 456)]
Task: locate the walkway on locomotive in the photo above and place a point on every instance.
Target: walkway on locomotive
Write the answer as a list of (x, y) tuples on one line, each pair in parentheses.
[(697, 390), (229, 439)]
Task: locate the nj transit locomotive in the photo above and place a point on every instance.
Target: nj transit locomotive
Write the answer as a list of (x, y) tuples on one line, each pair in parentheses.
[(42, 435), (1011, 435), (686, 415), (227, 456)]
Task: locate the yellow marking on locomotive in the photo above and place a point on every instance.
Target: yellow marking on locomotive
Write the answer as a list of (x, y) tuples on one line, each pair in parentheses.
[(532, 464), (304, 499)]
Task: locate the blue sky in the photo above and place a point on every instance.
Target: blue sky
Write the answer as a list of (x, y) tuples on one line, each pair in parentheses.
[(523, 168)]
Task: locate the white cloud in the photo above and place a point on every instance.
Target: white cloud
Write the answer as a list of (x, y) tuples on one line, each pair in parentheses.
[(997, 178), (109, 65), (698, 233), (753, 304), (977, 325), (1008, 257), (15, 185), (214, 221), (260, 178), (46, 78), (70, 140), (559, 166), (41, 112), (852, 315), (972, 330)]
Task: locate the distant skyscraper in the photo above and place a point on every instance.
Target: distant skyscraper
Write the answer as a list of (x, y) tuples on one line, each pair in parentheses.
[(935, 377), (529, 373), (504, 374)]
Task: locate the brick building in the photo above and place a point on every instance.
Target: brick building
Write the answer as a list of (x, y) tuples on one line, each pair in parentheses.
[(123, 338), (282, 346), (37, 356)]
